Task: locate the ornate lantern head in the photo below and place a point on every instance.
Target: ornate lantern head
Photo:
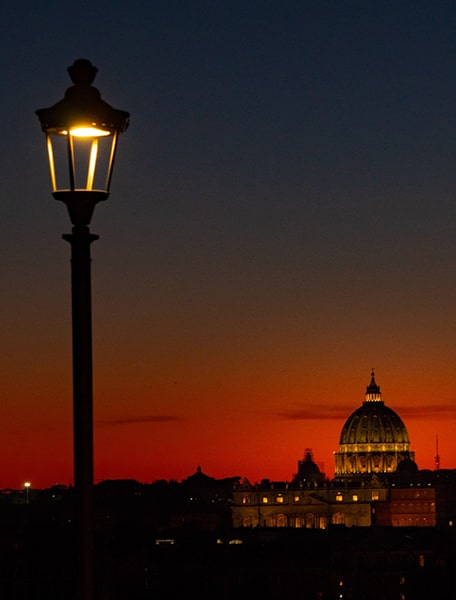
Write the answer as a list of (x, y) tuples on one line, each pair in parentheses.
[(81, 134)]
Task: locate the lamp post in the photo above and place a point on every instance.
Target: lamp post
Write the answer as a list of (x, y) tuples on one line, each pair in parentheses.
[(81, 136)]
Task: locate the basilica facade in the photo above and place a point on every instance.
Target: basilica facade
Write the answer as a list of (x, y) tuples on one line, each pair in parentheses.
[(375, 480)]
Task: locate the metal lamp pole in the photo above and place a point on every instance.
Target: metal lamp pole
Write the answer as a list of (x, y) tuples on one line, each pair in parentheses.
[(80, 240), (81, 132)]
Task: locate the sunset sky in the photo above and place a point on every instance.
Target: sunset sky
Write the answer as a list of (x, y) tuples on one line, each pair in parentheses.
[(282, 220)]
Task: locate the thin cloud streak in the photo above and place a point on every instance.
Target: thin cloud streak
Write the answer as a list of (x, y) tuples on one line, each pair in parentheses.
[(427, 411), (317, 412), (139, 420)]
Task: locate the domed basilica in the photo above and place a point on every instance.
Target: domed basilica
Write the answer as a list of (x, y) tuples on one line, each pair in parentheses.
[(375, 480), (374, 439)]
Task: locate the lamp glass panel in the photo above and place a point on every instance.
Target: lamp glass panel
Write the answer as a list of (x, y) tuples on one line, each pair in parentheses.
[(92, 161)]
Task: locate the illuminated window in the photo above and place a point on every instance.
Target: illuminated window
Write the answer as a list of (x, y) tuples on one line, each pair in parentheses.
[(296, 498), (246, 500), (279, 498), (355, 498), (265, 500), (339, 497), (375, 496)]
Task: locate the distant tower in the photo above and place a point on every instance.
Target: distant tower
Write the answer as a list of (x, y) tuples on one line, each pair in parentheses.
[(437, 457), (308, 471)]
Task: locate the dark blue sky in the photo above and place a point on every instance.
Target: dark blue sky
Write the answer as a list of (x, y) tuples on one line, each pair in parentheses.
[(282, 219)]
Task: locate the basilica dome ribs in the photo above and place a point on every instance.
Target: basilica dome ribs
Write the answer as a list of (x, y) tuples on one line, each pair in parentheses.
[(373, 441)]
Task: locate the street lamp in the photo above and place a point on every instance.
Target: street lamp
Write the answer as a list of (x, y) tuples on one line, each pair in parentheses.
[(27, 485), (81, 136)]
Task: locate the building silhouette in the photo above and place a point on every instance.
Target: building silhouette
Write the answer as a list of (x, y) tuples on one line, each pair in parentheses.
[(380, 529)]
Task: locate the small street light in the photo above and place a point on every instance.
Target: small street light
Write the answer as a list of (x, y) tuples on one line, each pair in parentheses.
[(27, 485), (81, 135)]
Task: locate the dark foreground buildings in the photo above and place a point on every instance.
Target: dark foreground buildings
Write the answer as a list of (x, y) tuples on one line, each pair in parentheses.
[(381, 529)]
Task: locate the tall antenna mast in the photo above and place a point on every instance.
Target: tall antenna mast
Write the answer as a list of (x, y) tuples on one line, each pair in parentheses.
[(437, 457)]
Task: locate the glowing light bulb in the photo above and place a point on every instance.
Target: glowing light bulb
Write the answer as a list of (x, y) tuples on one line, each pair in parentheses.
[(91, 132)]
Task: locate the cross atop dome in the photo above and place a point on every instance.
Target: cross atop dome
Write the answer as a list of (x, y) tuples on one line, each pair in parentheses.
[(373, 390)]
